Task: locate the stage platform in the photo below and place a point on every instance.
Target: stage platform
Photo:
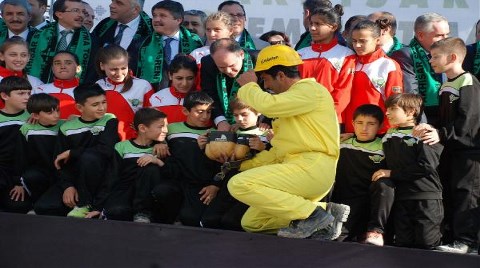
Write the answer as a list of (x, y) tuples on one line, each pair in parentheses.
[(42, 241)]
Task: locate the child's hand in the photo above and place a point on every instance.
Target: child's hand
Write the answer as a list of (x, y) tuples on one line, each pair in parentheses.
[(234, 127), (147, 159), (32, 120), (17, 193), (161, 150), (427, 133), (381, 173), (256, 143), (270, 135), (264, 127), (202, 141), (208, 193), (70, 197), (92, 214), (346, 136), (62, 158)]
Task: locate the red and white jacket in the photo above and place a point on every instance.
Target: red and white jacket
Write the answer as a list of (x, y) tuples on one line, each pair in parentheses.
[(124, 104), (63, 91), (332, 65), (376, 78), (169, 101)]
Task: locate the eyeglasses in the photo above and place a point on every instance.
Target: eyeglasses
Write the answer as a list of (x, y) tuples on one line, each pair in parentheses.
[(74, 10), (239, 15), (280, 42)]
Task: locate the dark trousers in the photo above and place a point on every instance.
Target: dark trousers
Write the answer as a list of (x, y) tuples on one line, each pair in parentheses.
[(417, 223), (37, 181), (132, 195), (88, 175), (6, 203), (467, 227), (465, 182), (168, 197)]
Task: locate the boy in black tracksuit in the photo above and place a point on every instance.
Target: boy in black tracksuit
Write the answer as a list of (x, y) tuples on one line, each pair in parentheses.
[(412, 166), (84, 151), (14, 92), (37, 145), (135, 169), (460, 133), (193, 188), (360, 156)]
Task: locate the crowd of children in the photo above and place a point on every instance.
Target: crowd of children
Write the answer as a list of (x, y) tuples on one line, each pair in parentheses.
[(119, 149)]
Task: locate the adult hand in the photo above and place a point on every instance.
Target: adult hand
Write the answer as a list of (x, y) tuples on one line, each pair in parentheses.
[(223, 126), (247, 77)]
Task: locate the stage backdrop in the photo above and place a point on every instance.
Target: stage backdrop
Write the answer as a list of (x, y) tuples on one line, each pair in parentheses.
[(286, 15)]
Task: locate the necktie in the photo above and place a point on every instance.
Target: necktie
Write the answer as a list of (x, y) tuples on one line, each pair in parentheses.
[(118, 38), (62, 43), (167, 50)]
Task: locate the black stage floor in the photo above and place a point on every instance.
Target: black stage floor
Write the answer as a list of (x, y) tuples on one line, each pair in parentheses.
[(41, 241)]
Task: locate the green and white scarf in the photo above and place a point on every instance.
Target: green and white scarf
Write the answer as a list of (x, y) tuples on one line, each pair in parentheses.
[(396, 46), (246, 41), (150, 62), (222, 91), (43, 47), (3, 32), (427, 85), (144, 27)]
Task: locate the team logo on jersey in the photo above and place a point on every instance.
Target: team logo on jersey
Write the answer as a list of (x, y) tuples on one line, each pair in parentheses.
[(379, 82), (410, 142), (96, 130), (337, 64), (135, 102), (453, 98), (376, 158)]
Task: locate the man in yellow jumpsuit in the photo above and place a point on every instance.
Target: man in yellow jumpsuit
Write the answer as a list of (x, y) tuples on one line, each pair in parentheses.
[(282, 186)]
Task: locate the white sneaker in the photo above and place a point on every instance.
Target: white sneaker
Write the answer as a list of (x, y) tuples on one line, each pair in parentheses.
[(456, 247), (142, 218)]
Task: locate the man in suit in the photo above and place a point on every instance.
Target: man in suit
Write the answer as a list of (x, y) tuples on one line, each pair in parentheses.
[(39, 7), (127, 26), (66, 33), (227, 61), (418, 75), (16, 15)]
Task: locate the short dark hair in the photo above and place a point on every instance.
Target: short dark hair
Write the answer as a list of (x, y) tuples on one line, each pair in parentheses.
[(195, 98), (231, 3), (330, 15), (237, 104), (183, 61), (74, 56), (146, 116), (59, 5), (82, 92), (42, 102), (373, 27), (196, 13), (175, 8), (12, 83), (228, 44), (451, 45), (407, 101), (21, 3), (289, 71), (369, 110), (313, 4)]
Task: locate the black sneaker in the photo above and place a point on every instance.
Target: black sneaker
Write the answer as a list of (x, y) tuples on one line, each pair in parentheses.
[(319, 219), (334, 229)]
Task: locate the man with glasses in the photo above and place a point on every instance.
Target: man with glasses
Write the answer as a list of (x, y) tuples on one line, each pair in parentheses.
[(126, 27), (66, 33), (16, 16), (194, 21), (237, 11)]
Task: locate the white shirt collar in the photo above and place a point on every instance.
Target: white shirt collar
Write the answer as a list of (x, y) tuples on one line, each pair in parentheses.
[(23, 34), (133, 24), (176, 36)]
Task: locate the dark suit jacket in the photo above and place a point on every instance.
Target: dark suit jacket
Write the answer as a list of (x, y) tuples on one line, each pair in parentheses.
[(469, 59)]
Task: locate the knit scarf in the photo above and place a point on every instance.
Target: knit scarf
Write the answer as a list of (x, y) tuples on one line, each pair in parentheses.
[(476, 60), (246, 41), (305, 41), (63, 84), (396, 46), (4, 72), (222, 91), (144, 27), (3, 32), (150, 62), (43, 47), (427, 85)]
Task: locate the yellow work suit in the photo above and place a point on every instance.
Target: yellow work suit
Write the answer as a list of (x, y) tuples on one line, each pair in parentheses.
[(286, 182)]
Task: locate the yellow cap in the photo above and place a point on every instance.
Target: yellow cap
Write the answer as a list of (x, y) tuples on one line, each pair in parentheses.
[(277, 55)]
